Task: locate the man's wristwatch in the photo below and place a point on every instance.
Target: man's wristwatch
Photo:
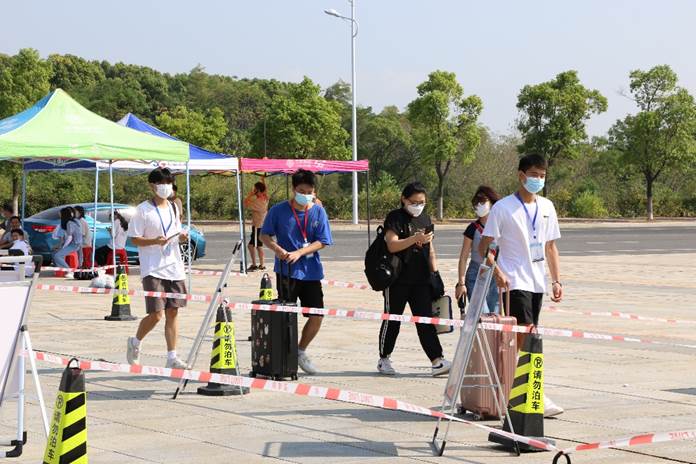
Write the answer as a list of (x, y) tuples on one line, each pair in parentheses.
[(557, 282)]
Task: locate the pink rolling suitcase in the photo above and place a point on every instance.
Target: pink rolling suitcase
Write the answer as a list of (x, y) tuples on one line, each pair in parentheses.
[(481, 401)]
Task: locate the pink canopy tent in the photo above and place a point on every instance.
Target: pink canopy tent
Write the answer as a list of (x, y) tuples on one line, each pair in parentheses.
[(288, 166)]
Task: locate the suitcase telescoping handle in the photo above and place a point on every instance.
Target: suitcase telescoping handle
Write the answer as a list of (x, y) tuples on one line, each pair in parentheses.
[(284, 282), (504, 307)]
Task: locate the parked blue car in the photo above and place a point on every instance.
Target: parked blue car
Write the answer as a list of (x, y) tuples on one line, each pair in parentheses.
[(40, 228)]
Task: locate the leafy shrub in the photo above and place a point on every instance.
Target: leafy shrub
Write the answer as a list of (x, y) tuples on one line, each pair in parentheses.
[(588, 205)]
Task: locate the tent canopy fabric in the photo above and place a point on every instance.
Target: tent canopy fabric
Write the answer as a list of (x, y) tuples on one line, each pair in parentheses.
[(288, 166), (200, 160), (59, 127)]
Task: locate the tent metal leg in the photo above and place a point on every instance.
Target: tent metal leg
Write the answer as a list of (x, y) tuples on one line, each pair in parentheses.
[(111, 199), (24, 195), (94, 222), (242, 225), (188, 224), (369, 210)]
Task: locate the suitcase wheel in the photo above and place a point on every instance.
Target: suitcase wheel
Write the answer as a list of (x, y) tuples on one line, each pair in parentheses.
[(293, 377), (477, 417), (252, 374)]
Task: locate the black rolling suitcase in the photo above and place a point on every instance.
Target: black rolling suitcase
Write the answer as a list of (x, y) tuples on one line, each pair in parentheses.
[(274, 337)]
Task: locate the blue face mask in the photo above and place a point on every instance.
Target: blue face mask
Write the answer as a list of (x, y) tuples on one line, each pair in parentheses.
[(534, 184), (302, 199)]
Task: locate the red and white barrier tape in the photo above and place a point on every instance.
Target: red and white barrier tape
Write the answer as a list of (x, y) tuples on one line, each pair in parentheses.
[(113, 291), (619, 315), (373, 315), (327, 282), (643, 439), (300, 389), (77, 269), (203, 272), (366, 315)]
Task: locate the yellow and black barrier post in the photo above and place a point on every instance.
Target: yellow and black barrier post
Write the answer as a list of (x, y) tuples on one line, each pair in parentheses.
[(67, 438), (223, 358), (526, 400), (120, 306), (266, 290)]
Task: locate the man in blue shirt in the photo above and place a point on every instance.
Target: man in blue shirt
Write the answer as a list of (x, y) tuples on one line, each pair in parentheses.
[(295, 231)]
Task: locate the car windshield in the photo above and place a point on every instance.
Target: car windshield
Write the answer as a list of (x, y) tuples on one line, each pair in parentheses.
[(104, 214), (49, 214)]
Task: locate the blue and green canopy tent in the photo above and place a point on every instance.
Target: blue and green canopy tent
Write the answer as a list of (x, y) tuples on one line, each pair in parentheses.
[(59, 133)]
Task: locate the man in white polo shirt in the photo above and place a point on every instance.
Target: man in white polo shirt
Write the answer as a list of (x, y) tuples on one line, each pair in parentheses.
[(525, 228), (156, 230)]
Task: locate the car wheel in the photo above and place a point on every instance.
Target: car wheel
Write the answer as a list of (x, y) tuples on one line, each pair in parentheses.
[(183, 248)]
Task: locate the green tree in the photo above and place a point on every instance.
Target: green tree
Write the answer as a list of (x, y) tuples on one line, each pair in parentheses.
[(24, 79), (73, 74), (553, 115), (661, 136), (113, 97), (303, 124), (385, 140), (204, 130), (445, 126), (340, 92)]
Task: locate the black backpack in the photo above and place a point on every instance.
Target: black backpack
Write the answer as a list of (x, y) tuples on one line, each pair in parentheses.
[(381, 267)]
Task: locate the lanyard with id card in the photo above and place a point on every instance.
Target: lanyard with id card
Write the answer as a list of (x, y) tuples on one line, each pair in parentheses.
[(303, 231), (165, 230), (536, 248)]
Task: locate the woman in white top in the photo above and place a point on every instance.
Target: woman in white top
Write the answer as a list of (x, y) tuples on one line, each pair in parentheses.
[(70, 234), (117, 243), (86, 234)]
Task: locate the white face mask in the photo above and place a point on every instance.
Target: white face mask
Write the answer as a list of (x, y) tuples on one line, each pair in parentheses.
[(415, 210), (482, 209), (164, 191)]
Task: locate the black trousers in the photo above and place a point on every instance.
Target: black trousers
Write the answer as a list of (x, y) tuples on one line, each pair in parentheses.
[(420, 302)]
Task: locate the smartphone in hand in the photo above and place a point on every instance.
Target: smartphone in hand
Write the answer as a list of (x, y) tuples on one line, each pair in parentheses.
[(430, 229)]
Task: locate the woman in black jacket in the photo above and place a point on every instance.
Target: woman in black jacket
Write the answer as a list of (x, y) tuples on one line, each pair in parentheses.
[(408, 233)]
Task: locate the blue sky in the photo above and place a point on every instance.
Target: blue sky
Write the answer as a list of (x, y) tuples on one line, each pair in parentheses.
[(495, 47)]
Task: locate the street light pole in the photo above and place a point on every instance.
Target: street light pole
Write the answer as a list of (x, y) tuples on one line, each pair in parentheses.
[(354, 115), (354, 125)]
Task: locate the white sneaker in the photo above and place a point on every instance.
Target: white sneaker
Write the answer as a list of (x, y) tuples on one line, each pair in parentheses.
[(175, 363), (441, 368), (132, 352), (306, 364), (384, 366), (551, 409), (69, 276)]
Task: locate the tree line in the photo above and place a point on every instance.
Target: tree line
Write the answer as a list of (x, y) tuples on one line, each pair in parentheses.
[(642, 166)]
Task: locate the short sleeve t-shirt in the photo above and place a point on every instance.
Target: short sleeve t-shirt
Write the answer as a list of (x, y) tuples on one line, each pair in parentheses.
[(415, 262), (120, 236), (281, 223), (26, 250), (473, 233), (511, 227), (86, 233), (162, 262)]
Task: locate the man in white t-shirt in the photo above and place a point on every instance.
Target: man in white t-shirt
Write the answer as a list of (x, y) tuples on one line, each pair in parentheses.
[(19, 243), (156, 230), (525, 228)]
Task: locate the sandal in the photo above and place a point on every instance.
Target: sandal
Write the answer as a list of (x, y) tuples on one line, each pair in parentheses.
[(261, 268), (252, 268)]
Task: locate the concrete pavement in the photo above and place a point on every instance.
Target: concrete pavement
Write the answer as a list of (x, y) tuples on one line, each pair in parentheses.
[(609, 389)]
